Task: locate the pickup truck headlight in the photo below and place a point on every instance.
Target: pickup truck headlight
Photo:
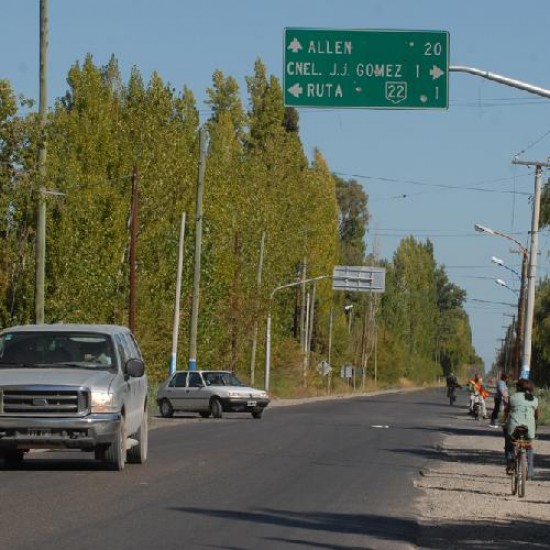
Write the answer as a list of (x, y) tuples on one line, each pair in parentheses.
[(102, 402)]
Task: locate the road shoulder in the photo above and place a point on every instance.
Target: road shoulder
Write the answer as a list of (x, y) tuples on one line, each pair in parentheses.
[(467, 500)]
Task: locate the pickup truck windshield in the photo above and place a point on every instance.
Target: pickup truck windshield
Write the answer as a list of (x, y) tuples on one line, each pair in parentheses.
[(67, 349)]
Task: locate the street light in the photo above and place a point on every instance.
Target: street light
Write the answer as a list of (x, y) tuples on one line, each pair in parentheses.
[(503, 283), (268, 331), (501, 263), (523, 334)]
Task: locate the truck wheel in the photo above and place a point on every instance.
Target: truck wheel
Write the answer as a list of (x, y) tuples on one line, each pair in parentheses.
[(115, 454), (166, 409), (99, 452), (216, 408), (138, 453), (13, 457)]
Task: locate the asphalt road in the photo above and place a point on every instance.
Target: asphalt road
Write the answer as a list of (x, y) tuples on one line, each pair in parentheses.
[(323, 475)]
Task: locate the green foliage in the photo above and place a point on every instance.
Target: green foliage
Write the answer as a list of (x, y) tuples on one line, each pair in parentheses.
[(540, 359), (353, 218), (258, 180)]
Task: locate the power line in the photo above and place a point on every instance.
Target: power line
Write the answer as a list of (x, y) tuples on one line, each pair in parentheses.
[(471, 187), (532, 144)]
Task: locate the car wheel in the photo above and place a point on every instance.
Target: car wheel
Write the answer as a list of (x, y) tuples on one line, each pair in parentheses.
[(138, 453), (13, 457), (115, 454), (166, 409), (216, 408), (205, 414), (257, 413)]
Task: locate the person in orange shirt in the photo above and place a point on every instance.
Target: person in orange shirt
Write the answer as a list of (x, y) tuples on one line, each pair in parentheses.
[(477, 391)]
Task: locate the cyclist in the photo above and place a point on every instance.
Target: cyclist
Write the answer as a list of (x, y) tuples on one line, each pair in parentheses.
[(452, 384), (522, 410)]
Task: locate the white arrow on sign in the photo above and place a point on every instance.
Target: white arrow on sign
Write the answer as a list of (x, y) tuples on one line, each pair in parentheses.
[(295, 90), (295, 46), (436, 72)]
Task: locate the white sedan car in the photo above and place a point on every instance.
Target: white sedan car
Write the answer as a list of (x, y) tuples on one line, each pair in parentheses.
[(209, 393)]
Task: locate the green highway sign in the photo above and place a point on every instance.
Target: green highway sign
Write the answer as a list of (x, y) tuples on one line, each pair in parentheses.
[(378, 69)]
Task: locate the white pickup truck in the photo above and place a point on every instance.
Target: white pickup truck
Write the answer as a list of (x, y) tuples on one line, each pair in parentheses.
[(72, 386)]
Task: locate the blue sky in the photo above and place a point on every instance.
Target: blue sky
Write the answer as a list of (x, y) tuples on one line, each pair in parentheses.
[(430, 174)]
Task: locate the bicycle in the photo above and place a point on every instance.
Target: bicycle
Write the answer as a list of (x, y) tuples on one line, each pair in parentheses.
[(522, 445)]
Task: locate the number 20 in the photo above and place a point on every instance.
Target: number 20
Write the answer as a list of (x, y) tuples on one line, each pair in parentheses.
[(432, 49)]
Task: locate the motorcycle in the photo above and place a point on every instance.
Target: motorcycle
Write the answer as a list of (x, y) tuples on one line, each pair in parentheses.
[(476, 407)]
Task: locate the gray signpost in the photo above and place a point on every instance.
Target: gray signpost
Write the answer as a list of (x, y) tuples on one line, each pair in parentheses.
[(380, 69)]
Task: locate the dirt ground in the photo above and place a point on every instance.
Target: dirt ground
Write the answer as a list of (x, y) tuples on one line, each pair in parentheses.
[(467, 500)]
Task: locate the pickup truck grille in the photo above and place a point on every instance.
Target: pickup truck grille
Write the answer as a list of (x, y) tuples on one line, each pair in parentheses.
[(44, 401)]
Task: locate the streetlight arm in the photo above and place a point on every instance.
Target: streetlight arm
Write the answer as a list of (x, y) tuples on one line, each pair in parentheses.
[(501, 263), (483, 229), (520, 85), (298, 283)]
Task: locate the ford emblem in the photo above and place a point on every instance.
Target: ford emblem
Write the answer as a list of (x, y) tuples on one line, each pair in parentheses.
[(40, 402)]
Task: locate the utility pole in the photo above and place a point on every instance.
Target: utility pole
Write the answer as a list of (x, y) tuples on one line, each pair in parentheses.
[(532, 269), (520, 325), (176, 324), (198, 245), (255, 333), (133, 249), (311, 317), (40, 261), (303, 322)]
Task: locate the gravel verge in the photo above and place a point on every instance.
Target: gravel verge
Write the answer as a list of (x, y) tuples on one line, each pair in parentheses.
[(467, 500)]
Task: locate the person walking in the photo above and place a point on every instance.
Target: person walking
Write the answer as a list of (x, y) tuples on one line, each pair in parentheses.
[(501, 399)]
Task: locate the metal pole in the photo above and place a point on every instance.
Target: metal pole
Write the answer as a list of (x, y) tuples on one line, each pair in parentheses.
[(133, 247), (176, 325), (310, 330), (306, 341), (520, 325), (329, 375), (303, 307), (198, 244), (267, 352), (532, 271), (512, 82), (330, 315), (40, 265), (255, 333)]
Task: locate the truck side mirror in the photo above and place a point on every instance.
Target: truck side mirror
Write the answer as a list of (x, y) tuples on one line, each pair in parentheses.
[(135, 368)]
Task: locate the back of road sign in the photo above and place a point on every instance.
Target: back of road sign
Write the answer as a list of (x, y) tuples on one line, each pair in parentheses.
[(379, 69)]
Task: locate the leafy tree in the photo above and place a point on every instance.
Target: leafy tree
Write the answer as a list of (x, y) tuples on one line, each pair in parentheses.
[(354, 218), (18, 198)]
